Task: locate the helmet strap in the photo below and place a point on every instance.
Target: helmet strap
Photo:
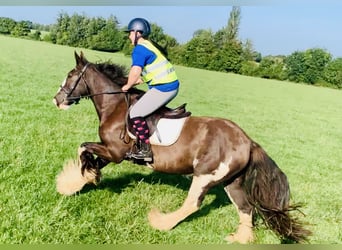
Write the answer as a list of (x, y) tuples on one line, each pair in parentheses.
[(136, 38)]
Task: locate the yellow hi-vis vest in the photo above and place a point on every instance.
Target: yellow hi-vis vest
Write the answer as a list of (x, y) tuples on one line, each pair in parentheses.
[(160, 71)]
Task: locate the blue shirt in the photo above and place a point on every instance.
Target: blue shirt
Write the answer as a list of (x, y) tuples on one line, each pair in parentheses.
[(141, 56)]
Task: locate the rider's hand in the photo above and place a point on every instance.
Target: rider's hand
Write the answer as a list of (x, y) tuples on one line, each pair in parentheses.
[(125, 88)]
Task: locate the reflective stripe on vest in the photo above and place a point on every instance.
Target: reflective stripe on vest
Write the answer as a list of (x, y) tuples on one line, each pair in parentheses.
[(160, 70)]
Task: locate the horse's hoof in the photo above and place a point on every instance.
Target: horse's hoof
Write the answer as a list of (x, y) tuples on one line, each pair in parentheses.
[(159, 220), (238, 238), (70, 180)]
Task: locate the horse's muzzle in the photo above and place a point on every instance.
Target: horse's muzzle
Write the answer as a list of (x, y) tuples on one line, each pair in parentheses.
[(63, 106)]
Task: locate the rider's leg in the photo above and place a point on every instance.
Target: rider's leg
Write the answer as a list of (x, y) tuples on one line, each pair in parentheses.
[(142, 134), (147, 104)]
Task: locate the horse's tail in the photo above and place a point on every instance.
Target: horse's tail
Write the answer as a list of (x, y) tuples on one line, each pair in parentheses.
[(268, 192)]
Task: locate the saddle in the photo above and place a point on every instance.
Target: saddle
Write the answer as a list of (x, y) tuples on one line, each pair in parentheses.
[(165, 124)]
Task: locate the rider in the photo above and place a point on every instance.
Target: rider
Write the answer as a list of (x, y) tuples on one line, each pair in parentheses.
[(149, 66)]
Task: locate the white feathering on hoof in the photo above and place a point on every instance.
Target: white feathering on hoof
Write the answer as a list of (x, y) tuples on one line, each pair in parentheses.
[(70, 180)]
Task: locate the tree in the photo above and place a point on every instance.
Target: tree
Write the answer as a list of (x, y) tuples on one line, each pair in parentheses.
[(228, 58), (272, 67), (59, 33), (333, 72), (36, 35), (21, 29), (295, 66), (227, 55), (232, 29), (199, 50), (6, 25), (163, 40), (308, 66), (106, 36), (315, 62), (249, 68), (76, 31), (248, 52), (176, 54)]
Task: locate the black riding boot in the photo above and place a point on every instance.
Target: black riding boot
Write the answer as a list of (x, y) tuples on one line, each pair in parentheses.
[(143, 143), (144, 152)]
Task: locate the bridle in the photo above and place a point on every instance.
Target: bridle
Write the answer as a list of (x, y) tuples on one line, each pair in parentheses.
[(76, 99), (68, 91)]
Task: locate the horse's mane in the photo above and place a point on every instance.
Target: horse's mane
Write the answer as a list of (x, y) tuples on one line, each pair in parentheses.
[(116, 73), (112, 71)]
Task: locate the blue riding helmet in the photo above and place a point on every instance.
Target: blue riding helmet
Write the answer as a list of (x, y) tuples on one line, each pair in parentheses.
[(141, 25)]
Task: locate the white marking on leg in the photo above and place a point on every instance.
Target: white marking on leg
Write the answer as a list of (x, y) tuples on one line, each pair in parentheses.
[(167, 221), (199, 182), (192, 202), (220, 172), (244, 232)]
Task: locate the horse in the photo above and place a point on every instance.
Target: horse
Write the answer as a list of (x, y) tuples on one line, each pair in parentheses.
[(213, 150)]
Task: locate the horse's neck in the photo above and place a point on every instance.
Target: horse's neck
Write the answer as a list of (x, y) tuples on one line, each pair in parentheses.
[(100, 83), (106, 94)]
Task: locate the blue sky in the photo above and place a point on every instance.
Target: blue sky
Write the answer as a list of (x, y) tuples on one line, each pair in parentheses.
[(273, 29)]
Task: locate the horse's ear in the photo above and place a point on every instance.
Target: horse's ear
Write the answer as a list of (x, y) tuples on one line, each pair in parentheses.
[(77, 58), (80, 59)]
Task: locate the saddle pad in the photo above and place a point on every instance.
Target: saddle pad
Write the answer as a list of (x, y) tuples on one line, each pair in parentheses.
[(167, 132)]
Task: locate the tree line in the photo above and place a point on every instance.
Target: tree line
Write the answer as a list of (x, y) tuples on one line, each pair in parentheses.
[(219, 51)]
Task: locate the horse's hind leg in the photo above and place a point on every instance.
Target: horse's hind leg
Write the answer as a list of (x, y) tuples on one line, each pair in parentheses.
[(201, 182), (198, 189), (237, 195)]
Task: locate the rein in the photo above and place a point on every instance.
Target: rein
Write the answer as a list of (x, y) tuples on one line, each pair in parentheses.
[(103, 93), (77, 98), (81, 75)]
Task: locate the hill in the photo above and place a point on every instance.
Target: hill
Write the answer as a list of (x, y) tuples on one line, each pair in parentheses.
[(298, 125)]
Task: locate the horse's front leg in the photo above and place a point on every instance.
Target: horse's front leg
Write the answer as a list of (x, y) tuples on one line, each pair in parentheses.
[(86, 154), (113, 153), (86, 169)]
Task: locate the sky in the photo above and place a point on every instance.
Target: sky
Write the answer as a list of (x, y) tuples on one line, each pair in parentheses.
[(273, 29)]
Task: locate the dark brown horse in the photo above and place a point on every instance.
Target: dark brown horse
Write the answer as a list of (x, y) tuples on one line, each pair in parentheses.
[(216, 151)]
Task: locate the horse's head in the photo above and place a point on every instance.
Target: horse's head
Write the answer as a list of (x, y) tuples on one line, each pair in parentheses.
[(74, 86)]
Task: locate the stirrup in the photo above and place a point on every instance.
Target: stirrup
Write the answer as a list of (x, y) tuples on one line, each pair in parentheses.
[(128, 155), (142, 155)]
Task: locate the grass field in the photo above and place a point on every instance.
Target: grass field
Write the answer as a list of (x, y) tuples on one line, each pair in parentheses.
[(299, 126)]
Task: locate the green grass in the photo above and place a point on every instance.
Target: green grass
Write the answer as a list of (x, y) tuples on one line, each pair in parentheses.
[(298, 125)]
